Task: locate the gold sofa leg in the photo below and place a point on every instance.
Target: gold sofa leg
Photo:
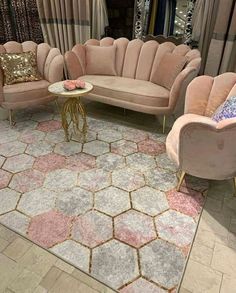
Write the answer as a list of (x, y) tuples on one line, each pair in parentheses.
[(164, 124), (181, 178), (10, 113)]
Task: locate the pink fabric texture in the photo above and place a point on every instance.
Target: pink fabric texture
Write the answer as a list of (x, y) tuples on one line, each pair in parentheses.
[(198, 145), (138, 61), (100, 60), (50, 65)]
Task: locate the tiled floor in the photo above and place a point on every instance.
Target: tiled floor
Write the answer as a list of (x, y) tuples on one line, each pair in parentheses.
[(27, 268)]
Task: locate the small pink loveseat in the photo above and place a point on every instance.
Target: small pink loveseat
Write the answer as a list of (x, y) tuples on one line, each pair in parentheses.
[(136, 63)]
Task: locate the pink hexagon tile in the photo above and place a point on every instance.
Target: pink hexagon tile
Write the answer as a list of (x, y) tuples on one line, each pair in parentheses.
[(151, 147), (49, 228), (135, 135), (134, 228), (5, 178), (49, 162), (140, 286), (48, 126), (18, 163), (80, 162), (92, 229), (31, 136), (189, 203), (27, 180)]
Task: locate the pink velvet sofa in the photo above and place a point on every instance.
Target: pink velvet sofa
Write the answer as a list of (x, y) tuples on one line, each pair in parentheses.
[(198, 145), (21, 95), (132, 85)]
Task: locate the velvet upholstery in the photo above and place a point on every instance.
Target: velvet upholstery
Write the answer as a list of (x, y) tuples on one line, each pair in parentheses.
[(137, 62), (197, 144), (50, 65)]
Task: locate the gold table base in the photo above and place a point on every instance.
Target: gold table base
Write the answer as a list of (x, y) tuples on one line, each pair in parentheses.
[(72, 109)]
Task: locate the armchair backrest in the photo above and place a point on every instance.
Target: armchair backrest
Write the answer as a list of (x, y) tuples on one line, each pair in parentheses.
[(205, 93), (45, 53), (139, 60)]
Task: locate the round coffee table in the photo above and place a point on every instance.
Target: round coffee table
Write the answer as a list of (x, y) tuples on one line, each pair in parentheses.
[(72, 108)]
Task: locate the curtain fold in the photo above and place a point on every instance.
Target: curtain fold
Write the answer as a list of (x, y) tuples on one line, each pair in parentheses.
[(68, 22), (160, 18), (222, 50)]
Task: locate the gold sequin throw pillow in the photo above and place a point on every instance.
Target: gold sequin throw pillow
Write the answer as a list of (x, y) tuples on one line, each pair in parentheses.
[(19, 67)]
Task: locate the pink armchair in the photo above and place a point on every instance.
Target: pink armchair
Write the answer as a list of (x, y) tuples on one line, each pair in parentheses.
[(198, 145), (21, 95)]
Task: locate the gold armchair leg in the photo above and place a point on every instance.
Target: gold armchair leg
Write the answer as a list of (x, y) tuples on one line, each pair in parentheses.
[(181, 178), (164, 124), (234, 179)]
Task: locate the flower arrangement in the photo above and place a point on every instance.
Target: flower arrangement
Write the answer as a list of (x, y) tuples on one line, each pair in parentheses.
[(71, 85)]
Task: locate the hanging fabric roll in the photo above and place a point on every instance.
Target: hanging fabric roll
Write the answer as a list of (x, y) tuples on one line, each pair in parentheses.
[(173, 5), (160, 18), (153, 17)]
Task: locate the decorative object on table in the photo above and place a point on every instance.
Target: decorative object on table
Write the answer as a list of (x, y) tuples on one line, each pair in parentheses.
[(136, 64), (28, 94), (71, 85), (19, 67), (197, 144), (226, 111), (73, 107)]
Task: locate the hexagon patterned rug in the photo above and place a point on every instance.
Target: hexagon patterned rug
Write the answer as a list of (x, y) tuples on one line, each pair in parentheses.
[(108, 206)]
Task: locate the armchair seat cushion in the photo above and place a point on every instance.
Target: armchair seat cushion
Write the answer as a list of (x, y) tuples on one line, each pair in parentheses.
[(128, 89)]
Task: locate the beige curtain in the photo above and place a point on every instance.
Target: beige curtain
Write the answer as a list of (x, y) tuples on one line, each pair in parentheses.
[(203, 22), (222, 50), (68, 22)]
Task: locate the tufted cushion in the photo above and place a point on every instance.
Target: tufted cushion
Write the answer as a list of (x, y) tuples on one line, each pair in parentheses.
[(226, 110), (170, 66), (100, 60)]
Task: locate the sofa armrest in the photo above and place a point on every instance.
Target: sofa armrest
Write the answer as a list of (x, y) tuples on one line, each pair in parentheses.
[(178, 89), (206, 148), (73, 65)]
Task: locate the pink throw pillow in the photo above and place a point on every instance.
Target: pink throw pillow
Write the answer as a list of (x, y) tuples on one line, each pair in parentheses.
[(100, 60), (169, 68)]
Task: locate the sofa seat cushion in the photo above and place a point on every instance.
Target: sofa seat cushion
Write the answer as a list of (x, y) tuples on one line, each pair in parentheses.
[(25, 91), (128, 89)]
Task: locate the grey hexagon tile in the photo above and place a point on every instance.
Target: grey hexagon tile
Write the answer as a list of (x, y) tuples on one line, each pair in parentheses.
[(16, 221), (98, 125), (176, 227), (140, 162), (80, 162), (109, 135), (90, 136), (158, 136), (8, 199), (110, 162), (96, 148), (141, 285), (12, 148), (127, 179), (42, 116), (94, 179), (74, 253), (75, 201), (2, 160), (18, 163), (56, 136), (60, 180), (37, 202), (114, 263), (25, 125), (164, 162), (68, 148), (135, 135), (27, 180), (5, 178), (31, 136), (161, 179), (124, 147), (160, 254), (8, 135), (92, 229), (40, 148), (149, 200), (134, 228), (112, 201)]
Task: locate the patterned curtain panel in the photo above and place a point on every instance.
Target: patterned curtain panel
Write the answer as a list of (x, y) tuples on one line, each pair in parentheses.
[(19, 21), (222, 51), (68, 22)]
